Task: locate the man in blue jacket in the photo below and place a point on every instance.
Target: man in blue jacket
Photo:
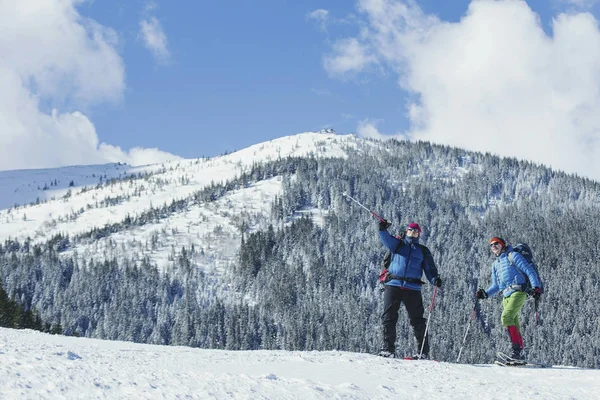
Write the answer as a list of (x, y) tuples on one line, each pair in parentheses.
[(509, 278), (403, 285)]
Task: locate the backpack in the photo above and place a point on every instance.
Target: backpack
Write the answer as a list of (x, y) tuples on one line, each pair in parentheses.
[(525, 251)]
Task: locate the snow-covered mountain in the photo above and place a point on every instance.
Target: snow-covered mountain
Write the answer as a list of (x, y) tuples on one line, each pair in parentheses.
[(242, 269), (41, 366), (74, 200)]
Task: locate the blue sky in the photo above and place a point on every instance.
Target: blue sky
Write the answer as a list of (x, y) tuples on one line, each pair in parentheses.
[(146, 81)]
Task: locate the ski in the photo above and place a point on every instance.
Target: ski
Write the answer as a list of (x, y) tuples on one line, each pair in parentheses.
[(387, 354), (419, 359), (510, 363), (503, 357), (506, 361), (394, 356), (521, 364)]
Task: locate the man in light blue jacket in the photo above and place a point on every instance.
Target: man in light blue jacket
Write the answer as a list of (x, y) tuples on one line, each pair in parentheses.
[(509, 277)]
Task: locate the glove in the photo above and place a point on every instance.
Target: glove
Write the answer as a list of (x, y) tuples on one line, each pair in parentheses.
[(481, 294), (437, 282), (537, 292), (383, 276), (383, 225)]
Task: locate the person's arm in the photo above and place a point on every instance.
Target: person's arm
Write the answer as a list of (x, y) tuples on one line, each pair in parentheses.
[(388, 240), (431, 271)]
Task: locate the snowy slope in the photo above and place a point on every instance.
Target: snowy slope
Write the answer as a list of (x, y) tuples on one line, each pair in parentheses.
[(41, 366), (72, 210), (21, 187)]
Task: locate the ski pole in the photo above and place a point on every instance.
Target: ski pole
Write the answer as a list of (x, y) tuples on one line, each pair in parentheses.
[(428, 318), (360, 204), (536, 309), (536, 304), (467, 332)]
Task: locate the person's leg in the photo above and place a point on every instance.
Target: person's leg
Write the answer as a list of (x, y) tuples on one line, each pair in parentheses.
[(389, 318), (414, 306), (512, 306)]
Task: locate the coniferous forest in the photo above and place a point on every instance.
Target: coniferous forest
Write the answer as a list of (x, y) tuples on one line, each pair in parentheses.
[(311, 282)]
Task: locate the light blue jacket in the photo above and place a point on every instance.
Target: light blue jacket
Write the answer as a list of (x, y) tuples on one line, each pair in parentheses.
[(509, 278)]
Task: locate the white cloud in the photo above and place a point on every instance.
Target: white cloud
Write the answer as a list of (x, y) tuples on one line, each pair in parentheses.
[(321, 92), (58, 53), (494, 81), (52, 56), (154, 38), (349, 56), (368, 129), (582, 4), (150, 6), (320, 16), (136, 155)]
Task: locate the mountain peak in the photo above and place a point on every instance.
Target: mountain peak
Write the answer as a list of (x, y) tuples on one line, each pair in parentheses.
[(328, 130)]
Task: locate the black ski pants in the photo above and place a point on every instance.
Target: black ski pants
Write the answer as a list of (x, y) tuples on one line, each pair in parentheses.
[(392, 297)]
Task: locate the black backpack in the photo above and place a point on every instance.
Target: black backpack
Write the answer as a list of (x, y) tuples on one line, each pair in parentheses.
[(525, 251)]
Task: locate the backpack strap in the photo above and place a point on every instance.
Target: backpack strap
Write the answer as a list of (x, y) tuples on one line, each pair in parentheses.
[(512, 262), (523, 274), (400, 244)]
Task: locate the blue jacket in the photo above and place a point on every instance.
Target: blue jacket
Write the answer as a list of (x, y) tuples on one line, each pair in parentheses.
[(409, 261), (509, 278)]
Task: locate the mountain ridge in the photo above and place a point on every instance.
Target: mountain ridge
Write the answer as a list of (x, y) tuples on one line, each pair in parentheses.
[(74, 209)]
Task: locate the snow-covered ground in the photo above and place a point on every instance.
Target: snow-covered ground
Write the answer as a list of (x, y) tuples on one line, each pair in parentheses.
[(34, 365)]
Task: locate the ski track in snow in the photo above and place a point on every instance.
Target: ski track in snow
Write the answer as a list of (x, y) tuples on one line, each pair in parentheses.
[(34, 365)]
